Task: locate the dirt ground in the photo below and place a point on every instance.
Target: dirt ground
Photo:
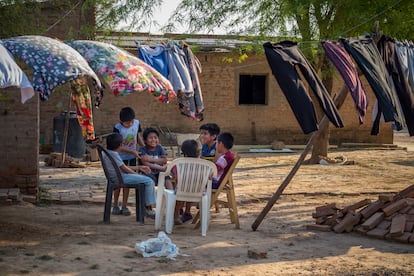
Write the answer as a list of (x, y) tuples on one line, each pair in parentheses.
[(70, 239)]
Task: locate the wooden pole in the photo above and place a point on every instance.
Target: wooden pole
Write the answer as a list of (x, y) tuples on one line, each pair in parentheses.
[(66, 130), (339, 100)]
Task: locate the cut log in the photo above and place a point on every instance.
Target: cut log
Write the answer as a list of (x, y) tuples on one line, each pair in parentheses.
[(397, 226), (373, 220), (356, 206), (386, 197), (407, 192), (348, 221), (394, 207), (371, 209), (377, 233)]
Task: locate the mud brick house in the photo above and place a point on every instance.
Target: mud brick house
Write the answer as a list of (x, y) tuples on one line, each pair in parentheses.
[(253, 120)]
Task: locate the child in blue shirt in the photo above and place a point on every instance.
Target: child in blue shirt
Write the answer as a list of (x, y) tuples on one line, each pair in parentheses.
[(152, 154), (128, 127), (208, 137)]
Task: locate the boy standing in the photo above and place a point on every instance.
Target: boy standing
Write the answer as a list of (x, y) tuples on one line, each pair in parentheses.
[(224, 157), (129, 128), (113, 145), (208, 136)]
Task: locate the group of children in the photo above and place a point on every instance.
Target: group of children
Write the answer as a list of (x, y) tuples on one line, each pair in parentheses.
[(126, 146)]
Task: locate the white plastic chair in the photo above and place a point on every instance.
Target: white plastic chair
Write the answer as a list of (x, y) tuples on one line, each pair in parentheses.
[(193, 184)]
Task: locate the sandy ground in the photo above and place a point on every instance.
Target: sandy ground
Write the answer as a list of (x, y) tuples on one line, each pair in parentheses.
[(70, 239)]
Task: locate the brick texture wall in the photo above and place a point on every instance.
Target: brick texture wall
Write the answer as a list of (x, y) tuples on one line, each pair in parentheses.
[(19, 166), (19, 142)]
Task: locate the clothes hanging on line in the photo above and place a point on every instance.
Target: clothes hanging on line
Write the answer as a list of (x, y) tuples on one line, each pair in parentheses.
[(192, 105), (405, 54), (366, 55), (386, 47), (155, 57), (81, 96), (12, 75), (337, 54), (285, 60), (181, 67)]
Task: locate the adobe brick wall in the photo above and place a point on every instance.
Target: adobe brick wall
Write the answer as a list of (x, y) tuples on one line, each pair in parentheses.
[(250, 124), (19, 145), (19, 166)]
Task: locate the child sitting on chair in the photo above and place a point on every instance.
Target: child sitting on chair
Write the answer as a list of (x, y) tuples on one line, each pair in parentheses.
[(208, 137), (189, 148), (129, 176), (224, 157), (153, 154)]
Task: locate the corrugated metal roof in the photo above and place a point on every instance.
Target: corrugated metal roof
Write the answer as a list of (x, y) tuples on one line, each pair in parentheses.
[(205, 43)]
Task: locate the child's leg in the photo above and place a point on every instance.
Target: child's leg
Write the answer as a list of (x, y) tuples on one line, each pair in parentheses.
[(125, 194), (178, 206), (116, 197), (138, 179), (187, 213), (188, 207)]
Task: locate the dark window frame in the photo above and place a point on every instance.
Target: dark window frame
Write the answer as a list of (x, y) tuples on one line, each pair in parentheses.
[(253, 89)]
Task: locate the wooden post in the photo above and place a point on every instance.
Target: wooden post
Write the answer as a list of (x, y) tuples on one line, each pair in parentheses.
[(339, 100), (66, 130)]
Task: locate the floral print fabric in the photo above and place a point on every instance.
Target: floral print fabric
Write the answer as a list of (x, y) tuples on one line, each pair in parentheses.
[(123, 72), (81, 96), (53, 62)]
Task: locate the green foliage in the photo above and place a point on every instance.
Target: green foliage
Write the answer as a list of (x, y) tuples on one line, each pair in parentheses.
[(12, 19), (135, 14)]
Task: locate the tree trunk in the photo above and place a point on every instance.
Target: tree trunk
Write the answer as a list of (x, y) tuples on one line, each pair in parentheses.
[(320, 146)]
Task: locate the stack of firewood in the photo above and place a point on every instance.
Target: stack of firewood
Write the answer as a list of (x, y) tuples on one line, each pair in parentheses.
[(55, 160), (389, 217)]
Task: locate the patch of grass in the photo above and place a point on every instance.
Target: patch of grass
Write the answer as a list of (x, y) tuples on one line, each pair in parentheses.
[(95, 266), (43, 197), (24, 271), (29, 254), (45, 258)]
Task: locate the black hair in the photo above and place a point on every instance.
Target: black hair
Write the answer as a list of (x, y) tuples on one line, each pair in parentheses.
[(126, 114), (212, 128), (113, 141), (190, 148), (149, 130), (227, 139)]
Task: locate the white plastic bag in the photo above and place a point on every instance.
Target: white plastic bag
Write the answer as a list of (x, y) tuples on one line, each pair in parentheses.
[(157, 247)]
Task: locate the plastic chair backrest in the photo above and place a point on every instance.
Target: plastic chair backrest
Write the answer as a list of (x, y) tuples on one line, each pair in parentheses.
[(116, 181), (194, 177)]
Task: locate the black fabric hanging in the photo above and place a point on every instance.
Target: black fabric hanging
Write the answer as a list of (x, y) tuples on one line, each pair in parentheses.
[(284, 59), (386, 47), (366, 55)]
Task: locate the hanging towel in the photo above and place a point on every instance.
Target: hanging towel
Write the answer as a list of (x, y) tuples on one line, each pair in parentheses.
[(366, 55), (343, 63), (284, 58), (12, 75), (81, 96), (386, 47), (155, 57)]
